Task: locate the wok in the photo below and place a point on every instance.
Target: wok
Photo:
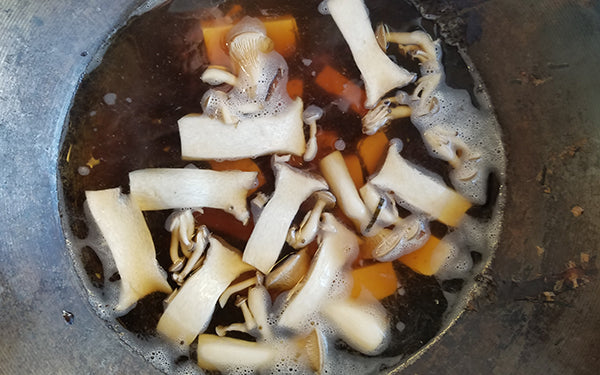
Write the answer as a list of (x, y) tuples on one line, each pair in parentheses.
[(539, 60)]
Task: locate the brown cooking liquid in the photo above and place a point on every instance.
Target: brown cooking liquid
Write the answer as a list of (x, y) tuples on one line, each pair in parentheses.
[(124, 117)]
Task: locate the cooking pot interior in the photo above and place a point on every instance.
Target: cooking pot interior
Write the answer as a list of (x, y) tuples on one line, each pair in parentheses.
[(536, 307)]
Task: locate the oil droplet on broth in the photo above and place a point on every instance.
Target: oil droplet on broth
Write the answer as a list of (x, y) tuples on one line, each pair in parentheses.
[(125, 114)]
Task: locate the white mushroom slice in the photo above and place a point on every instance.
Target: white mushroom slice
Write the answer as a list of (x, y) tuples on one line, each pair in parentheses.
[(292, 187), (235, 288), (205, 138), (379, 73), (165, 188), (307, 232), (337, 250), (287, 274), (419, 190), (381, 206), (338, 177), (215, 75), (227, 354), (191, 310), (234, 327), (363, 326), (310, 116), (181, 225), (409, 234), (127, 235)]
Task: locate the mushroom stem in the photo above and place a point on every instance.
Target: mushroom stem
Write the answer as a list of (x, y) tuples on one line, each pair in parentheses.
[(364, 326), (225, 353), (249, 321), (338, 248), (338, 177), (380, 74), (217, 75), (307, 232), (165, 188), (191, 310), (292, 187), (232, 289), (124, 228), (310, 116), (416, 189)]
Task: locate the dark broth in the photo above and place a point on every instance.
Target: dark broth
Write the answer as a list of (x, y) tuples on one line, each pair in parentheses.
[(124, 117)]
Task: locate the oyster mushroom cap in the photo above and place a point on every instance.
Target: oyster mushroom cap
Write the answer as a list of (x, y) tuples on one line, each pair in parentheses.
[(287, 274)]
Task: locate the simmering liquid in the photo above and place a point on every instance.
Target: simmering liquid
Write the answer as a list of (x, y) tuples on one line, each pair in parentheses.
[(124, 117)]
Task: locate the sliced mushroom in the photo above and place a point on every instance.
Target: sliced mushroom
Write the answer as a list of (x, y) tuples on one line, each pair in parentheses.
[(292, 187), (165, 188), (225, 353), (338, 177), (417, 189), (310, 116), (307, 231), (287, 274), (337, 250), (379, 73), (190, 311), (363, 326), (181, 225), (259, 303), (205, 138), (126, 233)]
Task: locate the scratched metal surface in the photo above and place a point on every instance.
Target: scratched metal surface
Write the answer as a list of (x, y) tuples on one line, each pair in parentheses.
[(539, 61)]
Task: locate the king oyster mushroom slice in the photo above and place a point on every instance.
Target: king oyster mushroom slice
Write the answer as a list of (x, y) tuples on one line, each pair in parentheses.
[(363, 325), (417, 189), (338, 177), (298, 237), (289, 272), (379, 73), (124, 228), (165, 188), (292, 187), (189, 313), (205, 138), (217, 75), (337, 250), (315, 347), (226, 354)]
